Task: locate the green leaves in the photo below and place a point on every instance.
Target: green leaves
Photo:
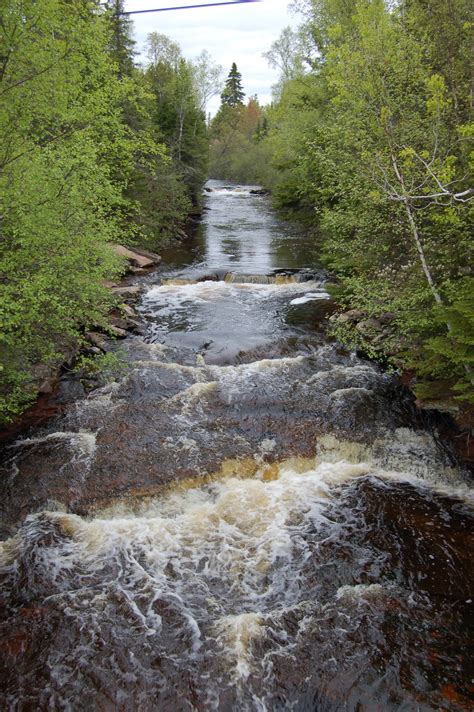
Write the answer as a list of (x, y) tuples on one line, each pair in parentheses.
[(62, 171), (92, 150), (375, 139)]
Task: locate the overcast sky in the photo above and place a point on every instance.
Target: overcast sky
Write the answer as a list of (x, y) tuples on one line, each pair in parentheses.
[(230, 34)]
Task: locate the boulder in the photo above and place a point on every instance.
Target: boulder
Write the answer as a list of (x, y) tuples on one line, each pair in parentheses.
[(44, 378), (147, 253), (128, 311), (138, 258), (119, 323), (117, 331), (368, 326), (96, 339), (386, 318), (355, 314), (128, 292)]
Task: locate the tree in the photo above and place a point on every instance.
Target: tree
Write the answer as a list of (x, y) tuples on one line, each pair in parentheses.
[(60, 122), (161, 48), (121, 43), (409, 151), (285, 55), (83, 162), (237, 148), (373, 143), (233, 94), (207, 78), (177, 113)]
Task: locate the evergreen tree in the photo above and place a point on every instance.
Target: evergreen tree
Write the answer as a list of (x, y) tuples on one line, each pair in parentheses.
[(233, 94), (121, 43)]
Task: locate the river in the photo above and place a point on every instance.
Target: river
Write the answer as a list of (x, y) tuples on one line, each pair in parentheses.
[(247, 518)]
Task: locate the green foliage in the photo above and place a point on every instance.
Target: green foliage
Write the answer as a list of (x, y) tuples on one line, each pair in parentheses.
[(177, 113), (451, 351), (106, 366), (121, 44), (239, 151), (373, 138), (89, 154), (233, 94), (59, 120)]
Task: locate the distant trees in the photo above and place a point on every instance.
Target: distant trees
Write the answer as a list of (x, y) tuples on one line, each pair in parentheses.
[(207, 77), (285, 54), (237, 131), (180, 91)]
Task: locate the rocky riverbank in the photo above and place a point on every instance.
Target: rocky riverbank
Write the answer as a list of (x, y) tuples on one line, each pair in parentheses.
[(380, 339), (63, 383)]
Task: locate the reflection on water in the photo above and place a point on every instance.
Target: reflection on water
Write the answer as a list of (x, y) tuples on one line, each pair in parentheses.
[(255, 242)]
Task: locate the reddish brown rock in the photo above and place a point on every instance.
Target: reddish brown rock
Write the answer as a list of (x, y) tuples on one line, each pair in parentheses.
[(138, 258)]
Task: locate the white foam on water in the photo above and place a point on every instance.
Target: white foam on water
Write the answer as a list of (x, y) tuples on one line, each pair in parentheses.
[(83, 441), (234, 191), (310, 297), (403, 455), (215, 567), (100, 402), (364, 592), (237, 633), (174, 296)]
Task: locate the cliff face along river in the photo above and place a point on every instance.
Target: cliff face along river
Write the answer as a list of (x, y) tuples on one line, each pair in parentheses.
[(248, 518)]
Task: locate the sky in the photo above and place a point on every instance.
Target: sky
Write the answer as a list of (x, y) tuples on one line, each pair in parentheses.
[(230, 34)]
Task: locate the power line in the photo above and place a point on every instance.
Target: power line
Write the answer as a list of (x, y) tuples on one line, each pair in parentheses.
[(186, 7)]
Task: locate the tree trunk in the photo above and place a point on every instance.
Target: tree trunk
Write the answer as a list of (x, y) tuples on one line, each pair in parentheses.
[(416, 235)]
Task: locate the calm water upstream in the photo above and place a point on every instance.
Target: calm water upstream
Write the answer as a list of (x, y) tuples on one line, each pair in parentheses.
[(247, 519)]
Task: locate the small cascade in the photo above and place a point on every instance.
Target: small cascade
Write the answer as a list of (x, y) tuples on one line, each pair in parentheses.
[(235, 278), (278, 278)]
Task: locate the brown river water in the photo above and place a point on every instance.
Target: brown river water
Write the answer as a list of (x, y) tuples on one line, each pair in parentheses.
[(248, 518)]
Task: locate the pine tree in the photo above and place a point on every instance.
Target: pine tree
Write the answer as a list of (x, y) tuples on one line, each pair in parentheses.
[(121, 42), (233, 93)]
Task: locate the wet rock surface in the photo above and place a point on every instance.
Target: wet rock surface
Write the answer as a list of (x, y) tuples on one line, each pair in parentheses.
[(167, 421)]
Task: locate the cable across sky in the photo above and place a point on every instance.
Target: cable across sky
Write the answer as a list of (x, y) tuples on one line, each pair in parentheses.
[(187, 7)]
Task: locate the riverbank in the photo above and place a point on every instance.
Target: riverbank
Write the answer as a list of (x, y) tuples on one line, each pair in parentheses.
[(379, 339), (62, 382)]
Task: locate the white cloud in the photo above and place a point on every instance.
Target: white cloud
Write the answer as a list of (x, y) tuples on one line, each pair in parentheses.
[(230, 34)]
